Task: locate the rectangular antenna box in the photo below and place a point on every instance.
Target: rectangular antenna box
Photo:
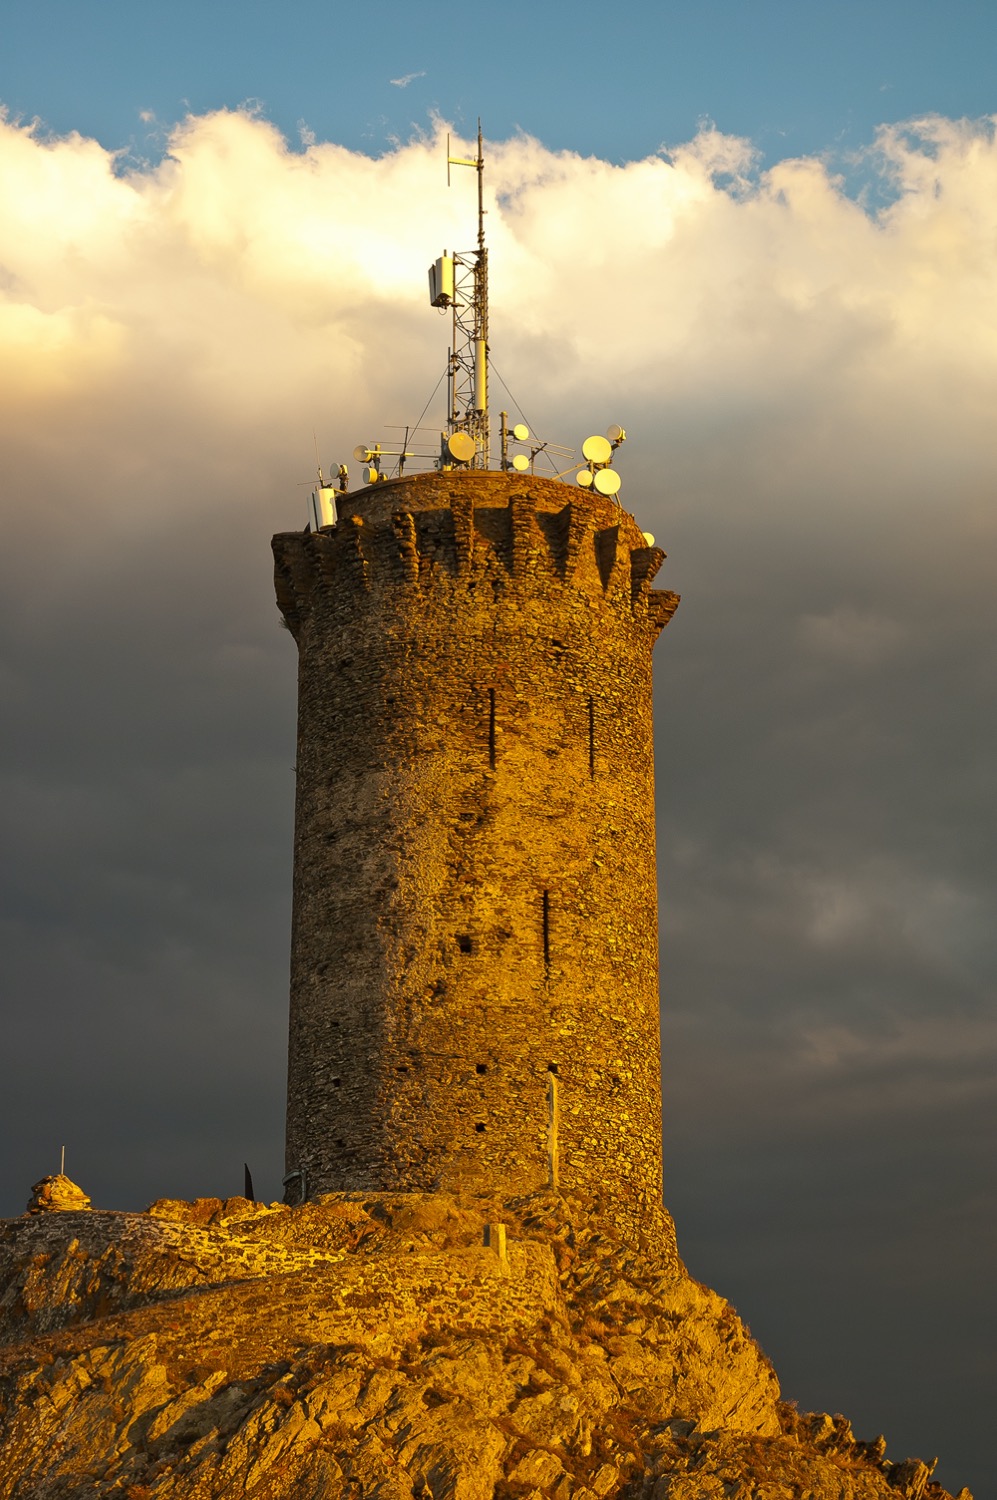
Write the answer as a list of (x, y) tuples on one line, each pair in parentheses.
[(441, 282), (322, 510)]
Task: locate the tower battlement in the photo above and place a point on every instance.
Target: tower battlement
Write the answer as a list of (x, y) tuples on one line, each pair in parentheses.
[(430, 528), (474, 950)]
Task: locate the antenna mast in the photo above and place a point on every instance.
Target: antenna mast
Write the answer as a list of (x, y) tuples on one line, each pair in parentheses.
[(460, 282)]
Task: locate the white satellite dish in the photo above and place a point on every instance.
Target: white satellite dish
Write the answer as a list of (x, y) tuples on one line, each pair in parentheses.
[(598, 450), (461, 446), (648, 537), (607, 481), (584, 478), (616, 434), (362, 454), (371, 475), (520, 432), (521, 463)]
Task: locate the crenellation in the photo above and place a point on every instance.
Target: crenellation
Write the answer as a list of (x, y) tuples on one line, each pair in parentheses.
[(661, 605), (528, 541), (462, 513), (645, 564)]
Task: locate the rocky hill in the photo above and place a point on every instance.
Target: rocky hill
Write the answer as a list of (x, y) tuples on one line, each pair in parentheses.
[(391, 1347)]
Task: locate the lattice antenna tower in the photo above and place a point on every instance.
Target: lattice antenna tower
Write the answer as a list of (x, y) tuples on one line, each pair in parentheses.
[(460, 282)]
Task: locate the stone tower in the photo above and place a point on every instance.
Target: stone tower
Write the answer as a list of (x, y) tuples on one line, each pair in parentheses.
[(474, 997)]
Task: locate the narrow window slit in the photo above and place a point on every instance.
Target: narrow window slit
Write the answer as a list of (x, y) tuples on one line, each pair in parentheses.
[(491, 728), (591, 737)]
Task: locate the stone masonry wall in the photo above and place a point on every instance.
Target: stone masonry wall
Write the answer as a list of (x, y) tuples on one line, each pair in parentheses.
[(474, 949)]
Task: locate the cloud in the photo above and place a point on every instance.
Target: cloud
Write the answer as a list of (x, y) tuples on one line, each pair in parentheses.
[(849, 636), (406, 79), (808, 390)]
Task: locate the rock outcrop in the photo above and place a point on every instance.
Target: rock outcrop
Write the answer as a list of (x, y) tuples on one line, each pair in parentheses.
[(392, 1346)]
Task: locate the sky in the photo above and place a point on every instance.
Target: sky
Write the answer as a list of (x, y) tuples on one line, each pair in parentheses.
[(761, 237)]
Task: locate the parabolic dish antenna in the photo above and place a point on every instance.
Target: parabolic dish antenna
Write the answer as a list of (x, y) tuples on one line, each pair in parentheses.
[(616, 434), (362, 453), (520, 463), (520, 432), (371, 475), (584, 478), (648, 537), (607, 481), (598, 450), (461, 446)]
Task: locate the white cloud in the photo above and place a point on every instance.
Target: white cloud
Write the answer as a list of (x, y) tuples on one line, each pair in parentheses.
[(406, 79), (779, 287), (765, 340)]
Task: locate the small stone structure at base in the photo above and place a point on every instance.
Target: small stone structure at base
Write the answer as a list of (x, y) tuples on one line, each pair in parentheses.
[(57, 1193), (392, 1346)]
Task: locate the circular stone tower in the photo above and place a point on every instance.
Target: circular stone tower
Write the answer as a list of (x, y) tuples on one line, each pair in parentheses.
[(474, 994)]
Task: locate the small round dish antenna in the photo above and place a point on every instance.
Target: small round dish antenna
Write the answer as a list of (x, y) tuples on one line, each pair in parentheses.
[(607, 481), (584, 478), (520, 432), (598, 450), (616, 434), (362, 453), (371, 475), (648, 538), (461, 446), (520, 463)]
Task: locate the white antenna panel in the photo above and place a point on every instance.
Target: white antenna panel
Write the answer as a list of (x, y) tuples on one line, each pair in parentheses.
[(461, 446), (323, 507), (584, 478), (441, 282), (607, 481), (598, 450)]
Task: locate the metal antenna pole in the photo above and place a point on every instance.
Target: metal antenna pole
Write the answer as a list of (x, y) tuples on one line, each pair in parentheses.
[(469, 305), (481, 288)]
